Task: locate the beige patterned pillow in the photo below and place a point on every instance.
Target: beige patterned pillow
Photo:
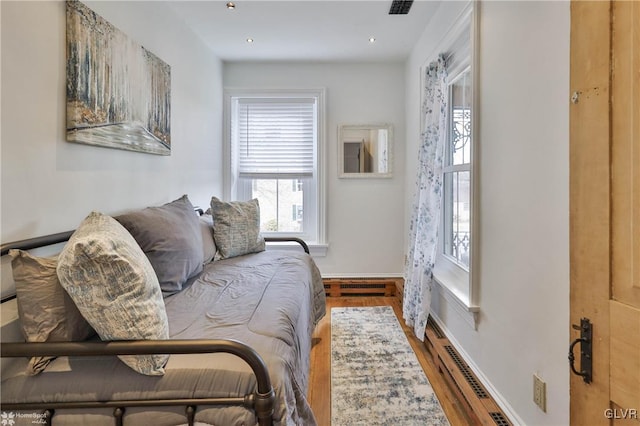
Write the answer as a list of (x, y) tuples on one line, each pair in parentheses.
[(236, 227), (47, 313), (115, 287)]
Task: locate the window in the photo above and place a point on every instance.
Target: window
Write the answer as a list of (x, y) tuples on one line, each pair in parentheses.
[(457, 173), (274, 155), (454, 262)]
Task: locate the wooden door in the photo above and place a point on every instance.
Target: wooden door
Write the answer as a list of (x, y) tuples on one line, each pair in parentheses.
[(605, 207)]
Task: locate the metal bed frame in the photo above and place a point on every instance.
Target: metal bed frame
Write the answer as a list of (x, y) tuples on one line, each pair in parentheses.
[(261, 401)]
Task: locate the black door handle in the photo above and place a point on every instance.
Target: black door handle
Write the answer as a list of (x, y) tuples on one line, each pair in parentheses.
[(586, 361)]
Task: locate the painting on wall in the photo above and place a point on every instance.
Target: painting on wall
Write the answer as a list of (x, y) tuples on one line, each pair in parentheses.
[(118, 93)]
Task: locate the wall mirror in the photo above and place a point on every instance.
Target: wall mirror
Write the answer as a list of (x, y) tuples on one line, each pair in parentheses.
[(365, 150)]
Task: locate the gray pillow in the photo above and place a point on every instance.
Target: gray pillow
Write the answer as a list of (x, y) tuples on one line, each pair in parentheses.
[(47, 313), (236, 227), (208, 244), (115, 288), (171, 238)]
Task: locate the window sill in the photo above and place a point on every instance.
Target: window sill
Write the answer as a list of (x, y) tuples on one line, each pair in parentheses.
[(448, 287), (315, 249)]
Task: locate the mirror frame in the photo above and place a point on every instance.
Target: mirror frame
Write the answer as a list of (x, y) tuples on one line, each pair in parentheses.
[(364, 175)]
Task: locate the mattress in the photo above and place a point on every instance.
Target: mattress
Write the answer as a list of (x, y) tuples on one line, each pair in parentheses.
[(270, 301)]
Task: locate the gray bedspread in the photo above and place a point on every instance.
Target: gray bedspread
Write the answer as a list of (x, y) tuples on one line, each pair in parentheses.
[(270, 300)]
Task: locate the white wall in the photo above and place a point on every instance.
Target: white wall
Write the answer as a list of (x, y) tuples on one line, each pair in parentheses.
[(524, 201), (364, 216), (49, 185)]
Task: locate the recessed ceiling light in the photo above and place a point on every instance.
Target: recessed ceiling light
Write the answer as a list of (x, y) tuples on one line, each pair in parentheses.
[(372, 39), (249, 40), (231, 5)]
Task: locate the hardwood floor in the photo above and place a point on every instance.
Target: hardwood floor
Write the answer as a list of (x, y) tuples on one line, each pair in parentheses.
[(320, 378)]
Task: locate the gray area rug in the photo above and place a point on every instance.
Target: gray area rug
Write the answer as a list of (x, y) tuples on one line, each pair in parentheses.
[(376, 378)]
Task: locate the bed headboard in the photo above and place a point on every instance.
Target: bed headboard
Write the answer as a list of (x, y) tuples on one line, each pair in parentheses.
[(47, 245)]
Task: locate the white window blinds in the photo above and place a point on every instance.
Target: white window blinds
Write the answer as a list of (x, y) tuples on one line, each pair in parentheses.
[(275, 137), (459, 55)]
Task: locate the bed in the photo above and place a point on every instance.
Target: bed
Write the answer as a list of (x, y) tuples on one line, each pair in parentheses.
[(239, 338)]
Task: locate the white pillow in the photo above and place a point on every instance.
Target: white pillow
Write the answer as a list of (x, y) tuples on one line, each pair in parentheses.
[(115, 287)]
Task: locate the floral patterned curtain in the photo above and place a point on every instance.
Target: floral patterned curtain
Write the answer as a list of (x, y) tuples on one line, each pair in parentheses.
[(425, 215)]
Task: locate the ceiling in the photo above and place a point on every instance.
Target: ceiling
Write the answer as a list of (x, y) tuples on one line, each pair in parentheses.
[(306, 30)]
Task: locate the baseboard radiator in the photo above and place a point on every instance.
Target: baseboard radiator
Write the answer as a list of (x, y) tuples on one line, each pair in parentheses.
[(479, 406), (336, 287)]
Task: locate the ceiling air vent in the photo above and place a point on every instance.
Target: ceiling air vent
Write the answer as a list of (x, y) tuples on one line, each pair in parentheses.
[(400, 7)]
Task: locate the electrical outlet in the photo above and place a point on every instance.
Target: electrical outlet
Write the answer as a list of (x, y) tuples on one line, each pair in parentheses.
[(540, 393)]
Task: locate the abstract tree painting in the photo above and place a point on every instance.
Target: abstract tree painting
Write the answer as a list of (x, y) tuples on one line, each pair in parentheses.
[(118, 93)]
